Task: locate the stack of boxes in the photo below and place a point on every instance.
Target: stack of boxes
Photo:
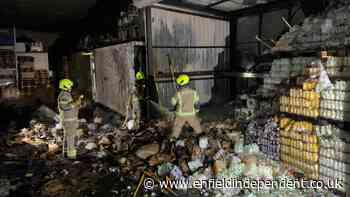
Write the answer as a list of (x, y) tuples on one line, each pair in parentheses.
[(338, 66), (300, 147), (27, 73), (304, 101), (268, 139), (41, 78), (31, 78), (7, 67), (335, 102), (334, 155)]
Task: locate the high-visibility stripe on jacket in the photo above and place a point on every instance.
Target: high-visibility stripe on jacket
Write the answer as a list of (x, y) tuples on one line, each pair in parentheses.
[(185, 101), (66, 107)]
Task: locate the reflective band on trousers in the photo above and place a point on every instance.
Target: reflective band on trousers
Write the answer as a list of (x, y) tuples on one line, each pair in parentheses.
[(185, 113)]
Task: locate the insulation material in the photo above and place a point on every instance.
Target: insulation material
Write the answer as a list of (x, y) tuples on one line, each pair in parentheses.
[(115, 75)]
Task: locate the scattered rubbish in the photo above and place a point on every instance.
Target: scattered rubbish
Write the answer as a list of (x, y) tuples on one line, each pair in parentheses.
[(203, 142), (46, 112), (5, 188), (194, 165), (91, 146), (147, 151), (113, 161)]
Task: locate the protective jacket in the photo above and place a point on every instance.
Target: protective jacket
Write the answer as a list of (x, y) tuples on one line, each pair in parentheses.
[(68, 110), (185, 101), (69, 120)]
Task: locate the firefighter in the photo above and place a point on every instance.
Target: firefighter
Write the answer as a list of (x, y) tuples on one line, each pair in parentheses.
[(186, 102), (134, 109), (68, 110)]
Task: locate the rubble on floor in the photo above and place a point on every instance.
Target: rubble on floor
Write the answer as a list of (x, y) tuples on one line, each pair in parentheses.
[(112, 160)]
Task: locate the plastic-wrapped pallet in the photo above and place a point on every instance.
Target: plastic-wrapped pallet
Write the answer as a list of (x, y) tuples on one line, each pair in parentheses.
[(328, 30), (302, 101), (252, 132), (338, 66), (335, 103), (334, 155), (268, 140), (300, 147)]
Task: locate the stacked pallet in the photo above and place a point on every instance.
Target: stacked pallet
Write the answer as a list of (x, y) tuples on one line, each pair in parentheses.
[(334, 155), (7, 67), (41, 78), (300, 147), (27, 73)]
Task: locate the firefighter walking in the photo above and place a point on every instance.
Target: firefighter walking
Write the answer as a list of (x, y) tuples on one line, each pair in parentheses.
[(186, 101)]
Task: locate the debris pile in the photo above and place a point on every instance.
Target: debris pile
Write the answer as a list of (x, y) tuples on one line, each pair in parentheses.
[(113, 161), (268, 140), (318, 32)]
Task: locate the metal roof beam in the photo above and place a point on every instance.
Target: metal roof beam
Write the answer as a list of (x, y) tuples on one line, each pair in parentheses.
[(195, 9), (267, 7)]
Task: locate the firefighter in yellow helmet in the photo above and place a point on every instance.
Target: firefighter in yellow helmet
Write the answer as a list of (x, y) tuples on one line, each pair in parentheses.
[(68, 110), (186, 101), (134, 109)]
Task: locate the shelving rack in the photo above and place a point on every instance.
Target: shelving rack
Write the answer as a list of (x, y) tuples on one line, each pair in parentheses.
[(316, 120), (8, 55)]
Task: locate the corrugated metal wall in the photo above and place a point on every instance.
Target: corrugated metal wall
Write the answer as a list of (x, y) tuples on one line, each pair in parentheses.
[(194, 43), (115, 75)]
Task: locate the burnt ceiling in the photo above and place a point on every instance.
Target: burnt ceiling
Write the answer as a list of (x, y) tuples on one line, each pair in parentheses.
[(45, 15)]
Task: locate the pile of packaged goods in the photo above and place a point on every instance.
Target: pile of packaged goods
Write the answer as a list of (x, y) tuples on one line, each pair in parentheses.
[(316, 32), (335, 102), (338, 66), (246, 107), (252, 132), (304, 101), (300, 147), (268, 139), (284, 68), (247, 163), (334, 155)]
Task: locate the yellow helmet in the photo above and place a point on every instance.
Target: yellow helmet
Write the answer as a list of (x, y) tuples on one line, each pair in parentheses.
[(66, 84), (140, 76), (183, 80)]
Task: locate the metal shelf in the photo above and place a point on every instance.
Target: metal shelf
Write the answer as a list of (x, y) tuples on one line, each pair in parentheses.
[(317, 121), (246, 75), (31, 52)]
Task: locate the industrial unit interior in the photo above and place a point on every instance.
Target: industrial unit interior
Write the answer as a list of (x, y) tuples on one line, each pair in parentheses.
[(174, 98)]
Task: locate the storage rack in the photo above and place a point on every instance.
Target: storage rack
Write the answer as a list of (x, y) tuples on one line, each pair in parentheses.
[(9, 68), (317, 120)]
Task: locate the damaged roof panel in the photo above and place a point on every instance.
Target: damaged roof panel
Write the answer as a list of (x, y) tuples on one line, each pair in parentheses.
[(220, 5), (230, 6)]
